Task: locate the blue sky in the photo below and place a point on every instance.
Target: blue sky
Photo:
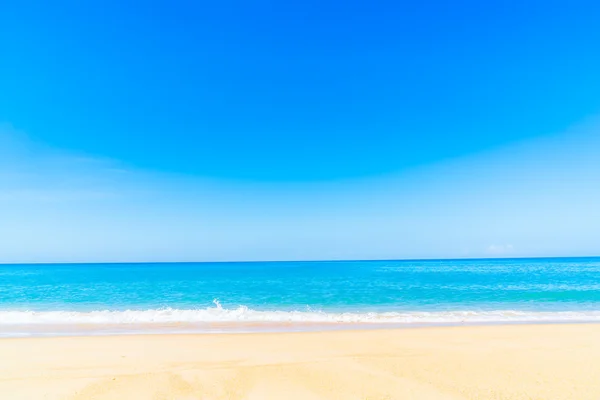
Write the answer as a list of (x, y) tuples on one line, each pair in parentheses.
[(298, 130)]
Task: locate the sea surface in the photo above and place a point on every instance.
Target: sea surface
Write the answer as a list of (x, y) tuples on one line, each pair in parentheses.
[(67, 299)]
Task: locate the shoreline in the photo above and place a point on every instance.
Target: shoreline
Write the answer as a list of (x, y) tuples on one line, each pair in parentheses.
[(26, 323), (511, 362), (251, 328)]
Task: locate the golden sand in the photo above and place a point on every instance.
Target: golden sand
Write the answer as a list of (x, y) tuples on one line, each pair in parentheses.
[(492, 362)]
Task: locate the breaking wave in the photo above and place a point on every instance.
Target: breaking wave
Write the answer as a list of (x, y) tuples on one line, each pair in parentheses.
[(244, 314)]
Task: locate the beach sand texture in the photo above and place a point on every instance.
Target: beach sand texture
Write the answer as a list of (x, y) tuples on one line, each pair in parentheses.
[(488, 362)]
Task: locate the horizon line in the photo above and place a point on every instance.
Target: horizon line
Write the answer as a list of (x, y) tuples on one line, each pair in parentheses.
[(300, 261)]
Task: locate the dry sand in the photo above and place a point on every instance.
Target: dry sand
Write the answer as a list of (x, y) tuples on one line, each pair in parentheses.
[(493, 362)]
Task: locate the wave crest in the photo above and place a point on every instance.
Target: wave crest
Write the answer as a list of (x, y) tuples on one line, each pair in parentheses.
[(218, 314)]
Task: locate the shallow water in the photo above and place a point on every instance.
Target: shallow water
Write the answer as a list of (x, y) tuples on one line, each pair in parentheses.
[(214, 297)]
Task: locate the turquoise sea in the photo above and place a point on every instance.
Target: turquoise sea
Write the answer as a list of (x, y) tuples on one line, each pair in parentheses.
[(55, 299)]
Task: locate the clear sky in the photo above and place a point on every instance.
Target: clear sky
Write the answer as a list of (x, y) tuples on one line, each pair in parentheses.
[(192, 131)]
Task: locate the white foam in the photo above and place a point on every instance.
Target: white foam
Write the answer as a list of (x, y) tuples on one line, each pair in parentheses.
[(246, 315)]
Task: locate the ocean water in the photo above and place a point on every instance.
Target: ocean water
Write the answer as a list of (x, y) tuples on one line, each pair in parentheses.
[(221, 297)]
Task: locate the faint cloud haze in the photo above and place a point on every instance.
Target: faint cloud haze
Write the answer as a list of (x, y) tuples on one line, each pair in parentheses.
[(535, 198), (500, 249)]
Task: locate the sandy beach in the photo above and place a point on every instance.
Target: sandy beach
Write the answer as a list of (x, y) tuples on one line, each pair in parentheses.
[(486, 362)]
